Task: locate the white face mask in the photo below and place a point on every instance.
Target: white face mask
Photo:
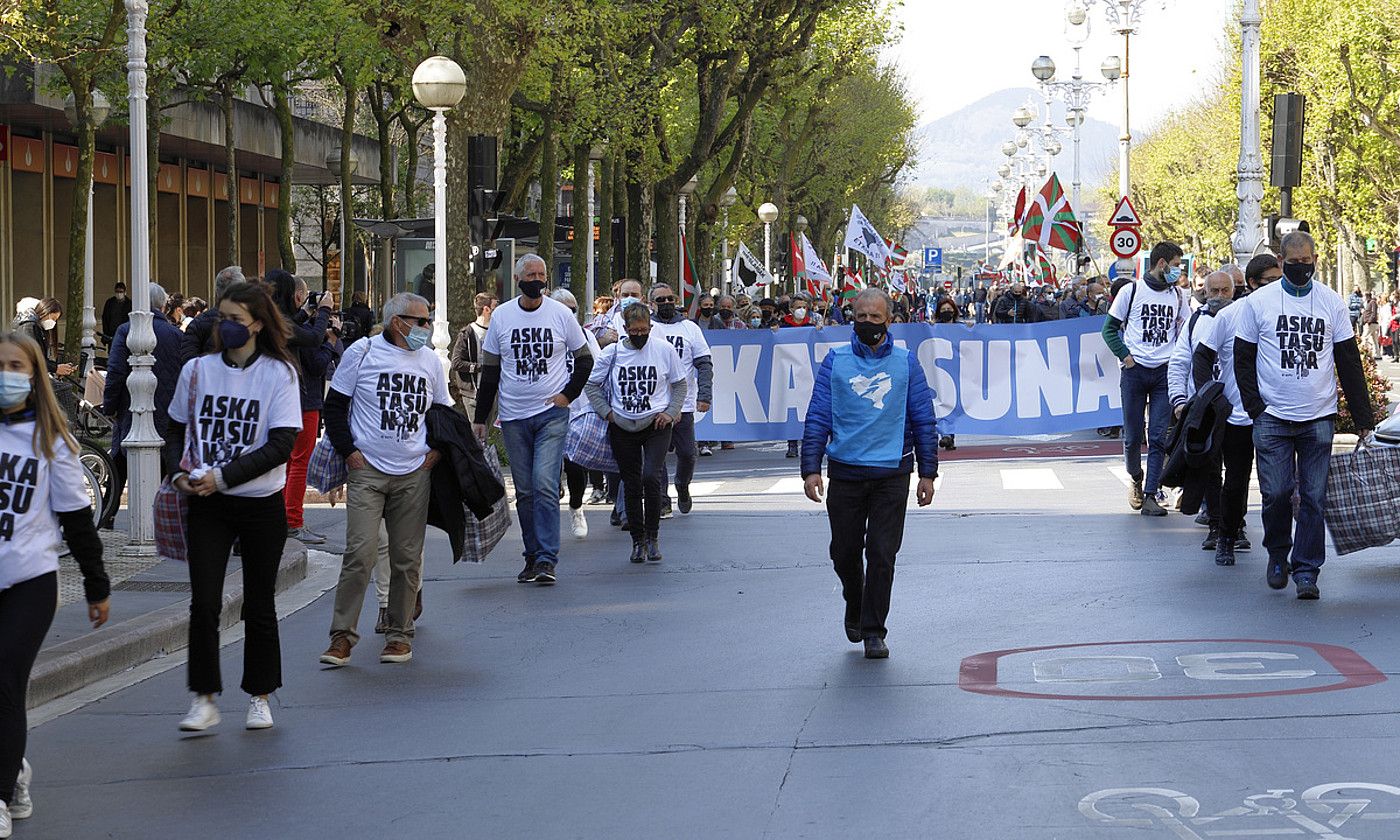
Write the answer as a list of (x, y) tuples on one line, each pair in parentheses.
[(799, 313), (48, 325)]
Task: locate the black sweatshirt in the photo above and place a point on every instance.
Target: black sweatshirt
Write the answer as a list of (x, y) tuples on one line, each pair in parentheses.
[(80, 534)]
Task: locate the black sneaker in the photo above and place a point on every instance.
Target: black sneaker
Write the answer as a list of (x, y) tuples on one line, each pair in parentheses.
[(544, 573), (653, 549), (1151, 507), (1242, 542), (1225, 552), (1211, 540), (666, 512), (875, 648), (853, 633), (1278, 573), (639, 550), (683, 502), (1307, 590), (792, 450), (527, 574), (1202, 518)]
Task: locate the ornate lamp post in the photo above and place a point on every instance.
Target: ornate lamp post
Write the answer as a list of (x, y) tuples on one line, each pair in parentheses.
[(726, 201), (687, 190), (768, 214), (1249, 178), (99, 111), (142, 444), (595, 154), (438, 85), (800, 224)]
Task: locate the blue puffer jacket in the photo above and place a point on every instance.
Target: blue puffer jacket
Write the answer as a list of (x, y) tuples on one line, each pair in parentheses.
[(859, 434)]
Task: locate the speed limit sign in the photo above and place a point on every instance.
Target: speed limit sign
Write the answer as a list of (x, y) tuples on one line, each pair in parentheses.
[(1126, 242)]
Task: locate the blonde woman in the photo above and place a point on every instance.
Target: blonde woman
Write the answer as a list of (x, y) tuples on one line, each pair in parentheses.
[(42, 500)]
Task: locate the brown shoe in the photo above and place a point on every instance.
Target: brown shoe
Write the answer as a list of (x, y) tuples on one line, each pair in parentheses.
[(418, 605), (383, 623), (338, 654), (395, 652)]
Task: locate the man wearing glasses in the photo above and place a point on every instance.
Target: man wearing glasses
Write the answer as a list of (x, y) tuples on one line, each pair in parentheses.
[(376, 418)]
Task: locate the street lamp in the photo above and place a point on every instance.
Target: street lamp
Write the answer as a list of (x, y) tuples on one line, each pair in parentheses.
[(142, 444), (726, 201), (1022, 116), (768, 214), (333, 166), (98, 112), (1249, 177), (687, 190), (595, 154), (438, 85)]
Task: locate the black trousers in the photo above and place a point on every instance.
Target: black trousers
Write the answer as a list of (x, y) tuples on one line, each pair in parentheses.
[(1238, 455), (26, 611), (867, 516), (683, 444), (576, 478), (639, 458), (260, 524)]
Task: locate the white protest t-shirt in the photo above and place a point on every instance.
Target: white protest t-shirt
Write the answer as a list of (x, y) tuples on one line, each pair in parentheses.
[(581, 405), (1221, 339), (640, 381), (390, 391), (234, 407), (33, 491), (1151, 328), (689, 341), (1297, 371), (534, 348)]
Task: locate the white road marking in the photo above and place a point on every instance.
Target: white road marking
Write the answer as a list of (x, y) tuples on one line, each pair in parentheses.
[(788, 486), (1030, 479), (1122, 475), (704, 488)]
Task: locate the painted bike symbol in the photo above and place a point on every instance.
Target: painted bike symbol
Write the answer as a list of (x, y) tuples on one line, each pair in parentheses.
[(1325, 809), (1062, 449)]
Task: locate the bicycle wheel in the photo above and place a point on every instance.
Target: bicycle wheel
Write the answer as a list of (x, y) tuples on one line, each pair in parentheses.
[(97, 462), (93, 486)]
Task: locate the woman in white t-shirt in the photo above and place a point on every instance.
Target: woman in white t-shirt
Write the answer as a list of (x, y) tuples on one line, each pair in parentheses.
[(234, 418), (43, 501), (639, 387)]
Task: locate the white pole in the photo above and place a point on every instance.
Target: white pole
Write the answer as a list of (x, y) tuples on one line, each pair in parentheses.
[(767, 252), (1249, 178), (440, 328), (680, 254), (1125, 141), (142, 444), (89, 341), (591, 291)]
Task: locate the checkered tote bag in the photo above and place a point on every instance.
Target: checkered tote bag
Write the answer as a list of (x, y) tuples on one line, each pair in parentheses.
[(1363, 498), (171, 506), (484, 534), (588, 445), (326, 470)]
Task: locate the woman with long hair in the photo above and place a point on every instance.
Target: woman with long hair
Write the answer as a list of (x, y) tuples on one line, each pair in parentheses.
[(44, 500), (41, 323), (233, 421)]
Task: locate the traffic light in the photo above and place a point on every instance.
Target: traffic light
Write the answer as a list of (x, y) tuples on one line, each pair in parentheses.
[(1394, 264), (1279, 227)]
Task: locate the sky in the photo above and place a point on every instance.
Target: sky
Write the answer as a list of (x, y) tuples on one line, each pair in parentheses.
[(954, 52)]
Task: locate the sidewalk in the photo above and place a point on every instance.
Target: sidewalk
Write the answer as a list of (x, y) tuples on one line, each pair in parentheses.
[(150, 617)]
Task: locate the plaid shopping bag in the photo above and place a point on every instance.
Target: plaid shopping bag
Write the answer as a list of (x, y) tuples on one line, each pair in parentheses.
[(587, 444), (484, 534), (171, 510), (1363, 498), (326, 469)]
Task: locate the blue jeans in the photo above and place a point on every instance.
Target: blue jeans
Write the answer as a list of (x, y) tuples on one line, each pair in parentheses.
[(1145, 390), (535, 447), (1294, 454)]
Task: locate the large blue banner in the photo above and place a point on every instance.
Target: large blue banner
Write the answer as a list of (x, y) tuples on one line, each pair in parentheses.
[(1001, 379)]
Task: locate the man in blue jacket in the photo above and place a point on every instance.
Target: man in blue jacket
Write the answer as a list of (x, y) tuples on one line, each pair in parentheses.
[(871, 414)]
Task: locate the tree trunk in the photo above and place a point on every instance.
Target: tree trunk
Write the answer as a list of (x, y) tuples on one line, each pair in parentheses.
[(347, 140), (583, 228), (282, 107), (549, 192), (638, 231), (231, 188), (605, 215), (410, 180), (666, 235), (384, 124), (78, 219)]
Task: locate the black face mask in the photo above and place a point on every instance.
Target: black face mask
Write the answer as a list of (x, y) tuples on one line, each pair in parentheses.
[(666, 311), (726, 314), (532, 289), (1298, 274), (945, 317), (638, 341), (707, 311), (870, 334)]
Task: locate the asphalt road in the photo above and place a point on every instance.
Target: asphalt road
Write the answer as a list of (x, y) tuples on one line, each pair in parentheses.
[(1060, 668)]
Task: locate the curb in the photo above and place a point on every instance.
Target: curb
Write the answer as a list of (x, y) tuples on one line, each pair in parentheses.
[(79, 662)]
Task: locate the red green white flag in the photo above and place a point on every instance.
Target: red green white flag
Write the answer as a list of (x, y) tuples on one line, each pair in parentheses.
[(1050, 220)]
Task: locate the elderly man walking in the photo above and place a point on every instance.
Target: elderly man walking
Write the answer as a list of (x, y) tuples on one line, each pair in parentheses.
[(525, 359), (376, 417), (872, 416)]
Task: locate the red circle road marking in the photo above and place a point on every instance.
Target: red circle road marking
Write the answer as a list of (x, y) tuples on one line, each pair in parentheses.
[(978, 673)]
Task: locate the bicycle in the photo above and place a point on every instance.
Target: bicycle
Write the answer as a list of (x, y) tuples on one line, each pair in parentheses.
[(93, 430)]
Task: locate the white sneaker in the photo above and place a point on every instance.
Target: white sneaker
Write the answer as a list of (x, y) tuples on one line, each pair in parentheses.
[(23, 807), (6, 827), (259, 715), (203, 714), (580, 524)]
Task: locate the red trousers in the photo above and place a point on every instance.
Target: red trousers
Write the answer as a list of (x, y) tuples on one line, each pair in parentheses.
[(295, 493)]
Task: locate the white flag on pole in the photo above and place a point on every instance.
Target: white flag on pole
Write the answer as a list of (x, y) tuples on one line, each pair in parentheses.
[(863, 237), (749, 272), (816, 269)]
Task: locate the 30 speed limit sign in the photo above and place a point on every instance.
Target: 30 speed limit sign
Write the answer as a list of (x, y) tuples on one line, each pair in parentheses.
[(1126, 242)]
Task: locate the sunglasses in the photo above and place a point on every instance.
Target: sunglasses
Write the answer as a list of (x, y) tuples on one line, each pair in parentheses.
[(422, 322), (671, 299)]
